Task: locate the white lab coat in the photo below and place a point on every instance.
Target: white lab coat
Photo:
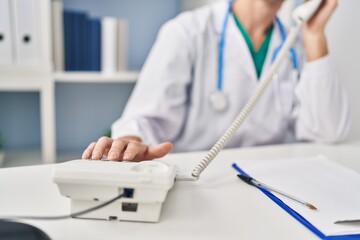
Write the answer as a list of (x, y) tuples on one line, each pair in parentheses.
[(171, 99)]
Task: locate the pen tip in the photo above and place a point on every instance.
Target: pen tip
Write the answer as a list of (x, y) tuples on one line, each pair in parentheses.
[(312, 207)]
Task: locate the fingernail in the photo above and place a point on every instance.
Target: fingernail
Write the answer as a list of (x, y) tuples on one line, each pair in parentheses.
[(86, 155), (128, 156), (113, 155), (95, 155)]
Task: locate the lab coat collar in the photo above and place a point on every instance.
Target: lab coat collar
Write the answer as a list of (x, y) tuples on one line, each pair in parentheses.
[(218, 10), (233, 38)]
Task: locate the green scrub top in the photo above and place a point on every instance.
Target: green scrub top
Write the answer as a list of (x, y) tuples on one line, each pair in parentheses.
[(260, 55)]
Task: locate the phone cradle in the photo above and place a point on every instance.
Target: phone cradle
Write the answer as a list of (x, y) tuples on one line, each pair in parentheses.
[(89, 183)]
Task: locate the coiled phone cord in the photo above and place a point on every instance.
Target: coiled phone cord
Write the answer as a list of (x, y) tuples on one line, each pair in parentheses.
[(221, 143)]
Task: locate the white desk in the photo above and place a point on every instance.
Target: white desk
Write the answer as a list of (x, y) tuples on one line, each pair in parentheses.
[(218, 206)]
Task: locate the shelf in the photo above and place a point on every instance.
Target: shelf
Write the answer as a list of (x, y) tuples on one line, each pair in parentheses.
[(23, 157), (96, 77), (30, 157), (23, 83)]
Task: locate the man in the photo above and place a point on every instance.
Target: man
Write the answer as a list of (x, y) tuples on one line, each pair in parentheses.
[(170, 106)]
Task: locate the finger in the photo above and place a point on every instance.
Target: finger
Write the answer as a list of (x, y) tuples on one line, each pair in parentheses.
[(88, 151), (106, 152), (324, 12), (101, 145), (158, 151), (134, 151), (117, 149)]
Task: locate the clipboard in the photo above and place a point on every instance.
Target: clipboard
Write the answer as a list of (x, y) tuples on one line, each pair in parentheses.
[(300, 218)]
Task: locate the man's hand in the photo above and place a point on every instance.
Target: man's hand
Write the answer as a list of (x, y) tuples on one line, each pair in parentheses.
[(125, 148), (313, 31)]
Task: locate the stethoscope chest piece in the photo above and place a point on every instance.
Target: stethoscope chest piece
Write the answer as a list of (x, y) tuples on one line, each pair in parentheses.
[(218, 101)]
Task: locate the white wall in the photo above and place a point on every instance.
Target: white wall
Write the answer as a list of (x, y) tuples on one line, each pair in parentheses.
[(344, 43), (192, 4)]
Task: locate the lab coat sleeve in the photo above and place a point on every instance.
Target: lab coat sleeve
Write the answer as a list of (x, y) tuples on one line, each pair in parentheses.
[(324, 112), (156, 109)]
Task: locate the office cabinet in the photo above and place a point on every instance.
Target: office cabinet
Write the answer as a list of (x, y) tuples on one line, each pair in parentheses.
[(26, 63)]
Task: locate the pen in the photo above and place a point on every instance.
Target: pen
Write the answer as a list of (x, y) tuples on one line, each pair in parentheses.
[(253, 182)]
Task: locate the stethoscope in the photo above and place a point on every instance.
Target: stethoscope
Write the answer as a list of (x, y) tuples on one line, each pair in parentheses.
[(218, 99)]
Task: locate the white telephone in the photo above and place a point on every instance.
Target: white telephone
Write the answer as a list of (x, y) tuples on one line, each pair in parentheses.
[(305, 11), (144, 185)]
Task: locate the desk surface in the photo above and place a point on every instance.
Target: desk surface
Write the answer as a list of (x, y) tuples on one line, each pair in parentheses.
[(218, 206)]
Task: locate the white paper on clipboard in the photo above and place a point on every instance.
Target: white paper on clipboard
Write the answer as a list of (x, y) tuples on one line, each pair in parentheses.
[(332, 188)]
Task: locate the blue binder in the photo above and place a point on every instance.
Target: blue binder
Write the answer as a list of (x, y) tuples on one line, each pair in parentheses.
[(75, 26), (69, 19), (80, 38), (297, 216), (93, 45)]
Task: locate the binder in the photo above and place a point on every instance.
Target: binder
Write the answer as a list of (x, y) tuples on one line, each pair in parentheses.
[(6, 47), (58, 35), (122, 44), (109, 52), (81, 41), (93, 45), (300, 218), (80, 37), (25, 14), (69, 40)]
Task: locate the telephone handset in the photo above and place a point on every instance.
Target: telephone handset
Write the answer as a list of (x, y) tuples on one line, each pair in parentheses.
[(305, 11), (301, 14)]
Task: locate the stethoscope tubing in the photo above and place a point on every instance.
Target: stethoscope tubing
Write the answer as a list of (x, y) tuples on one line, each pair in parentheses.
[(221, 47)]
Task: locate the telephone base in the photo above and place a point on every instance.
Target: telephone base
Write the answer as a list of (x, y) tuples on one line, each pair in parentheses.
[(119, 211), (89, 183)]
